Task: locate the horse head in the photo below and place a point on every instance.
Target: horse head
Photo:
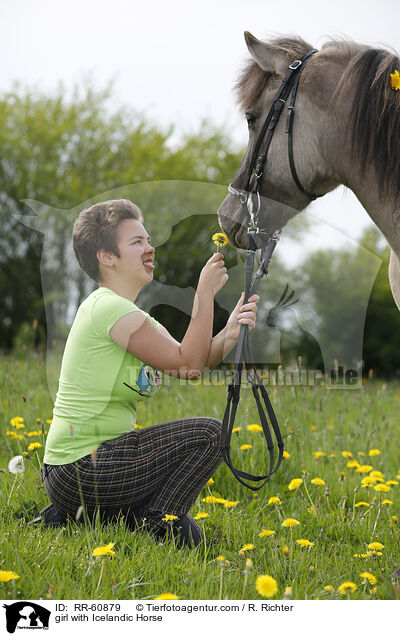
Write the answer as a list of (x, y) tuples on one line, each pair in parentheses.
[(320, 142)]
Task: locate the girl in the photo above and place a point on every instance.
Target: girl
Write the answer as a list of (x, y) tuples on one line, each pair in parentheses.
[(94, 457)]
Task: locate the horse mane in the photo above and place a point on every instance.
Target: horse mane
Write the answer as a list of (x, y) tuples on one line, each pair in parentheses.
[(375, 115), (374, 122)]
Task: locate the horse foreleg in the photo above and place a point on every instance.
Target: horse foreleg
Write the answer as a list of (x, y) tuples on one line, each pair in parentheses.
[(394, 277)]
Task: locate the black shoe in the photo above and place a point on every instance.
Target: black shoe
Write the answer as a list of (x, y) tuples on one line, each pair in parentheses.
[(50, 516), (185, 529)]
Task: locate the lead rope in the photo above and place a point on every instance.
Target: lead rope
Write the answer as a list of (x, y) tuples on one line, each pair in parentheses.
[(244, 358)]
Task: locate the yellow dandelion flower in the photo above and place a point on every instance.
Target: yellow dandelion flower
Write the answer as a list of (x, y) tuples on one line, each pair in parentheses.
[(34, 445), (246, 446), (364, 468), (353, 463), (347, 586), (220, 558), (332, 455), (16, 420), (311, 510), (369, 577), (361, 453), (231, 504), (395, 519), (387, 502), (266, 586), (318, 482), (318, 454), (274, 500), (304, 543), (285, 549), (285, 455), (329, 589), (33, 433), (367, 481), (374, 452), (288, 591), (247, 546), (219, 239), (210, 482), (212, 499), (376, 473), (375, 545), (105, 550), (295, 483), (290, 523), (254, 428), (8, 575), (347, 454), (362, 503), (236, 429), (392, 482), (395, 80), (169, 517), (366, 555), (382, 488), (266, 533), (201, 515), (166, 597)]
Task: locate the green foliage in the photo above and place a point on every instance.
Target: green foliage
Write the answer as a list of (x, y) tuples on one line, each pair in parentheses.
[(336, 283), (65, 151), (59, 562)]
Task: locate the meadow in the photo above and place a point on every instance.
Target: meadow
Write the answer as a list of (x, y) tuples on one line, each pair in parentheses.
[(338, 485)]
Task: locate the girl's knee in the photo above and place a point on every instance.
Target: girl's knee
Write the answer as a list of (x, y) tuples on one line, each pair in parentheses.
[(211, 428)]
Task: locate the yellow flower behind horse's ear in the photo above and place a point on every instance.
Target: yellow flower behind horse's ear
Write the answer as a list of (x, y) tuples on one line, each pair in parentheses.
[(395, 80)]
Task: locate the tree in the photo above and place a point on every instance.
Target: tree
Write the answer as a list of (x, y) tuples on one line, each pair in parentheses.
[(68, 153)]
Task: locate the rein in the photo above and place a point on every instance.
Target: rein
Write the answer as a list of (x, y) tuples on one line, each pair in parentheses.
[(244, 356)]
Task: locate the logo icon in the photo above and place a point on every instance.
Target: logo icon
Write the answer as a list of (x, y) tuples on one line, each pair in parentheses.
[(26, 615), (148, 381)]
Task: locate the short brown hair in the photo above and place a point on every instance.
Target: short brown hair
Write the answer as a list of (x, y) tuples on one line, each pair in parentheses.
[(96, 228)]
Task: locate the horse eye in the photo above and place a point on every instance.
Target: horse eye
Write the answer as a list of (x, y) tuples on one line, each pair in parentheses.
[(250, 120)]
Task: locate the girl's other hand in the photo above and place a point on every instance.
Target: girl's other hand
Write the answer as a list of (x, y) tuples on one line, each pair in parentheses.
[(242, 315)]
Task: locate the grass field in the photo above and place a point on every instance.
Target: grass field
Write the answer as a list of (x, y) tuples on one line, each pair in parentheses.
[(337, 436)]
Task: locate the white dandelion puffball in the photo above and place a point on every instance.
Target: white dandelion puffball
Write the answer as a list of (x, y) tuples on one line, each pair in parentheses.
[(16, 465)]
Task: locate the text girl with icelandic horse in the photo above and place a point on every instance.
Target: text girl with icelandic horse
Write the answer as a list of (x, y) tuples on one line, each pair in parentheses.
[(94, 456)]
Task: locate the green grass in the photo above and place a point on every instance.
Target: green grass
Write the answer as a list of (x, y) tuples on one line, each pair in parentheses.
[(58, 563)]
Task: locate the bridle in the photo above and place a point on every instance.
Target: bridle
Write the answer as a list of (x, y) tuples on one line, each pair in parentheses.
[(289, 86), (244, 358)]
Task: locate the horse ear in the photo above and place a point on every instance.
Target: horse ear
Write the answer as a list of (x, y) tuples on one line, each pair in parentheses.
[(268, 57)]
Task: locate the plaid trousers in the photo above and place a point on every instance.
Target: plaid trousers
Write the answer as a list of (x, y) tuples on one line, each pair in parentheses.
[(163, 466)]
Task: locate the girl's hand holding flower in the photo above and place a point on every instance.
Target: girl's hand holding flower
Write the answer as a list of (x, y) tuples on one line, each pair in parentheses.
[(214, 275)]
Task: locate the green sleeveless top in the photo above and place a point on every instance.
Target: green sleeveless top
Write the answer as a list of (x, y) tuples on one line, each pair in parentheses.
[(100, 383)]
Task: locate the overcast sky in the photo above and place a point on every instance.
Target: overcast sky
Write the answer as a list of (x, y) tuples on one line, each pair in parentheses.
[(177, 60)]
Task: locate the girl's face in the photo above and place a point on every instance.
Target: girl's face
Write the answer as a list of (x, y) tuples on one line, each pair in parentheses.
[(136, 260)]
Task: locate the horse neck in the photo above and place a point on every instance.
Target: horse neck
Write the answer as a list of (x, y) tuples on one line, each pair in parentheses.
[(383, 210)]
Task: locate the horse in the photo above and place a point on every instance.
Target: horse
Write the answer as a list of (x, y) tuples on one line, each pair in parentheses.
[(346, 131)]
